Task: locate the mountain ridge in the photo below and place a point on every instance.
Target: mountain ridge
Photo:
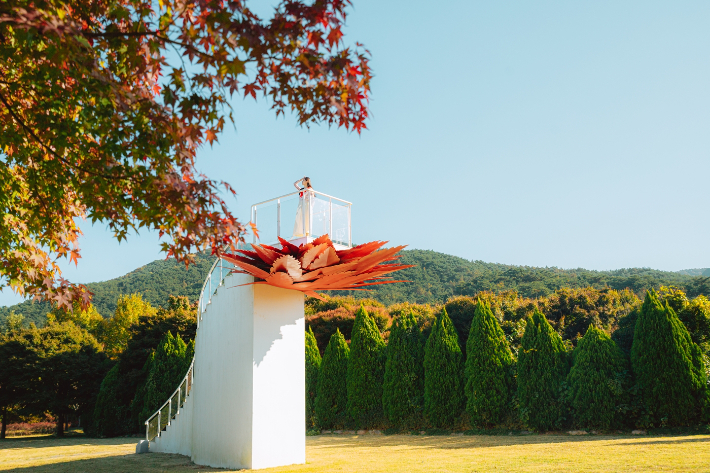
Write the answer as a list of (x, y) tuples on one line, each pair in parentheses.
[(435, 277)]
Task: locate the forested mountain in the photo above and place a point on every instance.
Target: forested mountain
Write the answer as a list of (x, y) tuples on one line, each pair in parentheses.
[(696, 272), (435, 278), (155, 281)]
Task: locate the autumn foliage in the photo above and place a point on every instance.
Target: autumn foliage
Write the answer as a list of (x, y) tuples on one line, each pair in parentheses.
[(104, 105)]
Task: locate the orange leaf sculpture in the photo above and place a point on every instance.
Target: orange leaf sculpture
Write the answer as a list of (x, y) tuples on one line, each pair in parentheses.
[(318, 266)]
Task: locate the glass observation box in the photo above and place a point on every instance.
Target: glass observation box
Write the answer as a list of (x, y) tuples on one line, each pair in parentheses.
[(301, 217)]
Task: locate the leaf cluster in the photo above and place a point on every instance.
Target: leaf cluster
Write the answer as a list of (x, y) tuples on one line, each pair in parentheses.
[(106, 104)]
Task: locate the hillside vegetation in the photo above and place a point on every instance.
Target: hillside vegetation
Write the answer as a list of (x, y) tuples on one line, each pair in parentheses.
[(156, 282), (435, 278)]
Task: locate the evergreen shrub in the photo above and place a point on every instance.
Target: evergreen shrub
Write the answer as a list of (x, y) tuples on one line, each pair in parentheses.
[(403, 390), (542, 369), (595, 381), (443, 377), (668, 366), (109, 417), (489, 370), (167, 369), (313, 363), (365, 371), (332, 396)]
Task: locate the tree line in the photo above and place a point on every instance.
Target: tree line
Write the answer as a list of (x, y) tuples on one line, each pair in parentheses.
[(109, 374), (429, 364), (435, 279), (436, 380)]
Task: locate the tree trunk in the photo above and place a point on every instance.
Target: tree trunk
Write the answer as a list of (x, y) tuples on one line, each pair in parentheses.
[(4, 422), (60, 425)]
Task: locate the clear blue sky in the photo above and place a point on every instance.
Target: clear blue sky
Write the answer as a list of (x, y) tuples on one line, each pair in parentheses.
[(561, 134)]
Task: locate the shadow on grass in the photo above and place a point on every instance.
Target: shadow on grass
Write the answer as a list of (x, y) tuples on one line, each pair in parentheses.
[(489, 441), (51, 441), (664, 441), (146, 463), (97, 460)]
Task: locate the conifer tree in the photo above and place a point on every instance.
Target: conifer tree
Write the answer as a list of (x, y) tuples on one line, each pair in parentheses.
[(594, 380), (313, 362), (332, 398), (189, 356), (668, 366), (366, 369), (109, 417), (403, 390), (489, 369), (542, 368), (443, 377), (166, 371), (138, 403)]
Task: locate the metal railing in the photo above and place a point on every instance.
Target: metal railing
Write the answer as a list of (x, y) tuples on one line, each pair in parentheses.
[(303, 214), (161, 419), (215, 278)]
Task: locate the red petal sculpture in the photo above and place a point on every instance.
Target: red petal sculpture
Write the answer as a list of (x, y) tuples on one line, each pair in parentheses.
[(318, 266)]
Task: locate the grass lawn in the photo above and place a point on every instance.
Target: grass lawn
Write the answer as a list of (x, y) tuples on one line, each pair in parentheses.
[(370, 453)]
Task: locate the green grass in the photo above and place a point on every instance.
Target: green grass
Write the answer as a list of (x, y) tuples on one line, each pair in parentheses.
[(377, 453)]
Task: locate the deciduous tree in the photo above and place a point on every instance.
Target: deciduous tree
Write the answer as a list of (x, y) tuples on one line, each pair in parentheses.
[(87, 317), (115, 331), (18, 365), (69, 370), (104, 105)]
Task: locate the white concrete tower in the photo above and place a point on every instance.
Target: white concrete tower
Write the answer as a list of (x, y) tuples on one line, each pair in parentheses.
[(242, 403)]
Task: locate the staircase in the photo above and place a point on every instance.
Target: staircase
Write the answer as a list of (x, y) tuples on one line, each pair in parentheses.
[(161, 420)]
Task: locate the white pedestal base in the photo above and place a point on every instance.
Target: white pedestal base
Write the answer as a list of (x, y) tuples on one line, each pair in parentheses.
[(247, 405)]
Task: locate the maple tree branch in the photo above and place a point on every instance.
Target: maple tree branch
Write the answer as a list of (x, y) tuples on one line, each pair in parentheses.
[(186, 46), (29, 131), (116, 34)]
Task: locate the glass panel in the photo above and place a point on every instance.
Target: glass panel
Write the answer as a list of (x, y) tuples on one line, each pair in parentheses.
[(302, 214), (320, 216), (267, 222), (153, 428), (290, 208), (164, 416), (175, 406), (341, 223), (183, 392)]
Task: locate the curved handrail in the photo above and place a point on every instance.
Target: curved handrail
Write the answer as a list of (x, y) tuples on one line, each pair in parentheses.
[(219, 270), (223, 268)]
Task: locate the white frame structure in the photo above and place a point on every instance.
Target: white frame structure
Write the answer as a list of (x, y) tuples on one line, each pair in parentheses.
[(306, 225)]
